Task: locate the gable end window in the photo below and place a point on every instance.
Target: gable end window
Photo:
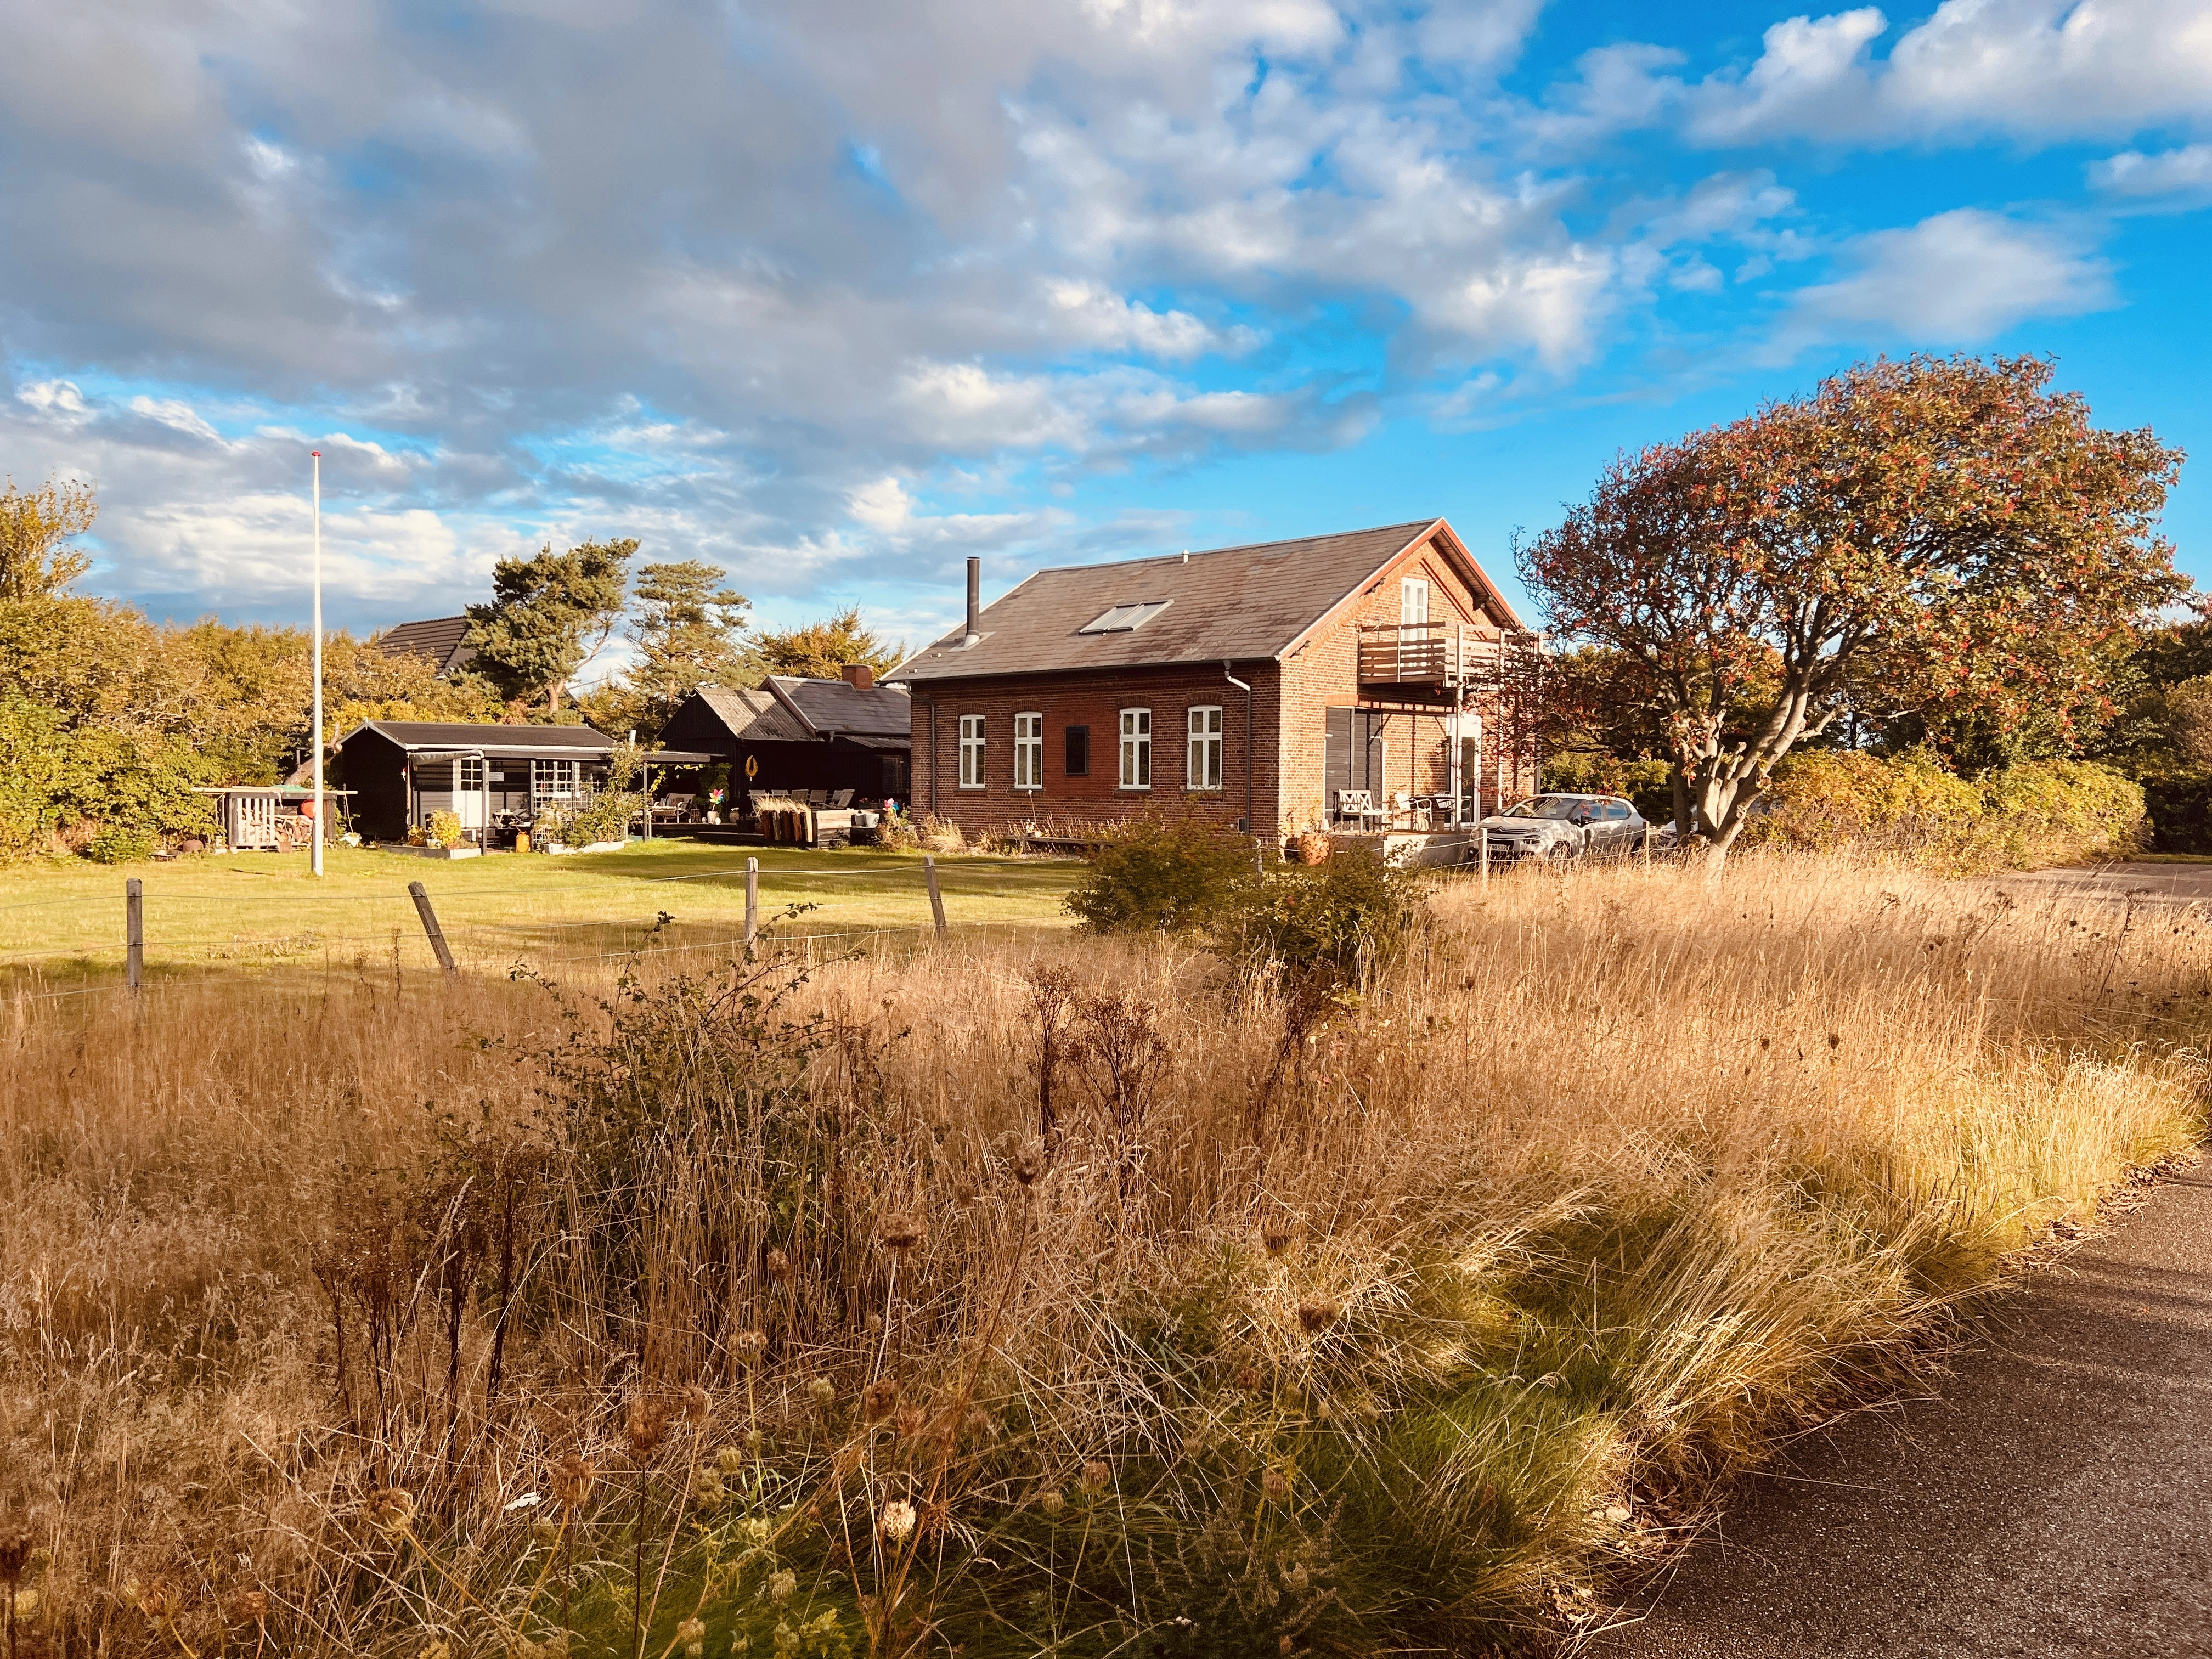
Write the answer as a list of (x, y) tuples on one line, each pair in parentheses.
[(971, 752), (1204, 757), (1079, 751), (1029, 752), (1136, 749)]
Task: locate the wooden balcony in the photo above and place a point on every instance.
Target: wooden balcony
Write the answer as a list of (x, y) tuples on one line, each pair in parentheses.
[(1425, 658)]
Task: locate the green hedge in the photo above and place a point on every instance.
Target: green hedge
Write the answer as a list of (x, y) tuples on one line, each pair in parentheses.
[(2017, 817), (1579, 772)]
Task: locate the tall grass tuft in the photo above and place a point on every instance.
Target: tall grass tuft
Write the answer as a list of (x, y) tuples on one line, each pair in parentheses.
[(1067, 1295)]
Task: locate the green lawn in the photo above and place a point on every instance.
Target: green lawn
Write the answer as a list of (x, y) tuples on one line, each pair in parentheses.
[(245, 910)]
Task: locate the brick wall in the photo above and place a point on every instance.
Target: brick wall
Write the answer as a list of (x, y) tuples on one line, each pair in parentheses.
[(1094, 701), (1325, 674)]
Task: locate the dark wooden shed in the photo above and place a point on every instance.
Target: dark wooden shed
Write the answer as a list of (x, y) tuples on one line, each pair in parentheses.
[(792, 735)]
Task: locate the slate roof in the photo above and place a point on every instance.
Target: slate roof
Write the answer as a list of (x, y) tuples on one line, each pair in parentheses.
[(490, 738), (440, 640), (842, 708), (1227, 604)]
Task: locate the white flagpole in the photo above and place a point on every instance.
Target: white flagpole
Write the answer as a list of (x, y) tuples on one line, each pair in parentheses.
[(315, 838)]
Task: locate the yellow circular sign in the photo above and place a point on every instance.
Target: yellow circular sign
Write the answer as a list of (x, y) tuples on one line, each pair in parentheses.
[(752, 766)]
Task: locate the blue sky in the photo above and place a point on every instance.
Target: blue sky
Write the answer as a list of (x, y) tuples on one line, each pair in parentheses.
[(835, 294)]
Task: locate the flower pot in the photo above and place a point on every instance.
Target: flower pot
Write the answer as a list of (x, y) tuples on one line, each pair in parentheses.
[(1312, 847)]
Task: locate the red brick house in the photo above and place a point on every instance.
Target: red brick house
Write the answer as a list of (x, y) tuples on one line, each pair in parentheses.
[(1256, 685)]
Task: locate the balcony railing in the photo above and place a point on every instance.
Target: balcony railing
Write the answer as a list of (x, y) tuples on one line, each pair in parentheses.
[(1433, 655)]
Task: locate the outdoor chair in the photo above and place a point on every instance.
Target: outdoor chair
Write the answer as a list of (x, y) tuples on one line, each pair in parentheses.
[(1358, 805)]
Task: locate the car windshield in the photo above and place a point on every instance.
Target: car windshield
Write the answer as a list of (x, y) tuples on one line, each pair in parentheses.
[(1548, 806)]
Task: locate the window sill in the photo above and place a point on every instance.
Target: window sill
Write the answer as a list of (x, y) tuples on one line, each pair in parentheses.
[(1029, 789), (976, 788), (1138, 789)]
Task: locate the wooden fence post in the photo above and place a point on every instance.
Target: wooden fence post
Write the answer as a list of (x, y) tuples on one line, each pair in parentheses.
[(421, 895), (1483, 836), (134, 932), (1646, 843), (936, 899), (752, 900)]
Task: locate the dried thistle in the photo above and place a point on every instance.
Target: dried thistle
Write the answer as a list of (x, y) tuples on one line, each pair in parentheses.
[(692, 1633), (247, 1607), (901, 1231), (780, 1584), (159, 1598), (571, 1482), (698, 1404), (730, 1461), (1095, 1476), (1276, 1485), (1050, 1501), (823, 1392), (391, 1507), (909, 1421), (880, 1400), (14, 1555), (648, 1425), (749, 1346), (1315, 1314), (898, 1520), (779, 1266), (1276, 1234), (1029, 1163)]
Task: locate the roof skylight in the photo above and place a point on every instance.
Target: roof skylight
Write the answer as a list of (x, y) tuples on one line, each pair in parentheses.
[(1126, 618)]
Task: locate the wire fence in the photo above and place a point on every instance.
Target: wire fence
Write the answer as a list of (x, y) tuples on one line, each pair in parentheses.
[(167, 939)]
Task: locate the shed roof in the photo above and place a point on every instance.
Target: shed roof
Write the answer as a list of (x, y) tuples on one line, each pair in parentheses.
[(840, 707), (752, 716), (486, 739), (443, 640), (1229, 603)]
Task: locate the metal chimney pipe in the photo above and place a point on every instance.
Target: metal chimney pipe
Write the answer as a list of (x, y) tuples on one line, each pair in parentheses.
[(975, 599)]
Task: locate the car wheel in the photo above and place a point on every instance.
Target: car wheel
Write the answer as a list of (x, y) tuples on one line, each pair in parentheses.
[(1558, 853)]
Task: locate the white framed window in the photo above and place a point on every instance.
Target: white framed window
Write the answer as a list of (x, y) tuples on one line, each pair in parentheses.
[(971, 752), (1204, 766), (1136, 748), (1413, 599), (552, 779), (1029, 752), (471, 769)]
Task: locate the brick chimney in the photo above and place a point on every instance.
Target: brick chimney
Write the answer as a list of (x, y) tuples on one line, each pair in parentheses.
[(860, 676)]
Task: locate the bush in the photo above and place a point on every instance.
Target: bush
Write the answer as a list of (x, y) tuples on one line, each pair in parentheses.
[(119, 843), (2037, 813), (1155, 877), (2179, 806), (444, 830), (1331, 922)]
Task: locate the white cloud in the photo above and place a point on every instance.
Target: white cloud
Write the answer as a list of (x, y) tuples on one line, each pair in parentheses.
[(1090, 314), (1959, 278), (2036, 71), (1812, 75), (2181, 176)]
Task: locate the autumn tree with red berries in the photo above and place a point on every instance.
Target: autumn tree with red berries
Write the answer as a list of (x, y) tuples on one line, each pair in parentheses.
[(1938, 534)]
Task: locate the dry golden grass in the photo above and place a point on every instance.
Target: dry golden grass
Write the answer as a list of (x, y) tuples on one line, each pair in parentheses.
[(1612, 1180)]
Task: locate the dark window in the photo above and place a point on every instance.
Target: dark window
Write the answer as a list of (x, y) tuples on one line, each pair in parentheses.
[(1079, 751)]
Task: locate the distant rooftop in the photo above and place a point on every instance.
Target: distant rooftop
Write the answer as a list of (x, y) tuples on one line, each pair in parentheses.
[(442, 642)]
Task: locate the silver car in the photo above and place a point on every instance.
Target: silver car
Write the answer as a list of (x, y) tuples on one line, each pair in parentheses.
[(1559, 828)]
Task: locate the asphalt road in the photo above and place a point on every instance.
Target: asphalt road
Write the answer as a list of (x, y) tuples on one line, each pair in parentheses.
[(2164, 883), (2055, 1499)]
